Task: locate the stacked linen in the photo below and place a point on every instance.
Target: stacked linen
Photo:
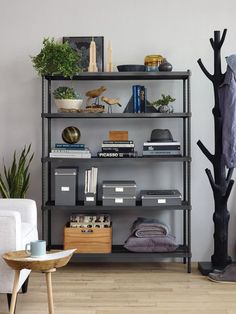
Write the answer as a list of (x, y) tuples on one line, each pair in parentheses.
[(150, 235)]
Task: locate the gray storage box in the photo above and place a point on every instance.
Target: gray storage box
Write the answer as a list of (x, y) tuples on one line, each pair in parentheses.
[(119, 200), (119, 188), (65, 186), (160, 197), (90, 199)]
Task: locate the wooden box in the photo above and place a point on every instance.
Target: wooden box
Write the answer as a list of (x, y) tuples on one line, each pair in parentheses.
[(118, 135), (88, 240)]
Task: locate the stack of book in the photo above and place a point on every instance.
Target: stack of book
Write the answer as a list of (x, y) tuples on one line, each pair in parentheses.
[(114, 149), (90, 180), (139, 96), (161, 149), (63, 150)]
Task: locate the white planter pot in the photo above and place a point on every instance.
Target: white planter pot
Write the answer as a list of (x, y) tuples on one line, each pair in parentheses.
[(68, 104)]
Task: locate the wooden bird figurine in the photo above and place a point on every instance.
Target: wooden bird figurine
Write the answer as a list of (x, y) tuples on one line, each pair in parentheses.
[(110, 102), (95, 93)]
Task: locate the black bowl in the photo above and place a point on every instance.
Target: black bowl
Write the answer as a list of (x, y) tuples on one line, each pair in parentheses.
[(131, 68)]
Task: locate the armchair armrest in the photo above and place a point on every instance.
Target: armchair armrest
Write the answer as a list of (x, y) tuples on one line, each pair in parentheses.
[(26, 207), (10, 230)]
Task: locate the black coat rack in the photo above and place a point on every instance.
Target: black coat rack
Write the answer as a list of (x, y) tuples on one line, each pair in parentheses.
[(222, 183)]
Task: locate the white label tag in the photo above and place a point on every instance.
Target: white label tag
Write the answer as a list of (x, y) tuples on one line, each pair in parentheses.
[(119, 189), (119, 200), (65, 188), (161, 201), (89, 198)]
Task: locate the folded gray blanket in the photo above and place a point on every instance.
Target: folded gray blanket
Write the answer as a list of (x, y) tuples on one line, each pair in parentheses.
[(148, 228), (164, 243)]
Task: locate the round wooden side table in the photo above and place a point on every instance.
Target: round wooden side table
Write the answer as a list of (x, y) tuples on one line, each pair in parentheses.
[(47, 264)]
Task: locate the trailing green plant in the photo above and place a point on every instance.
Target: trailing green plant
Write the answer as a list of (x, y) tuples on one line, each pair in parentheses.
[(15, 181), (56, 58), (164, 101), (64, 92)]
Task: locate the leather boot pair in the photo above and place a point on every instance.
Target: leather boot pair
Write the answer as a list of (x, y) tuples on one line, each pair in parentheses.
[(227, 275)]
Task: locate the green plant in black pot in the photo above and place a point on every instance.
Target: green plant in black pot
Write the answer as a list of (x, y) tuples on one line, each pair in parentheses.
[(56, 58), (163, 104), (15, 181)]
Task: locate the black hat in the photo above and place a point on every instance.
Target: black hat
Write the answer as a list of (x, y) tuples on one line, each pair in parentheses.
[(161, 135)]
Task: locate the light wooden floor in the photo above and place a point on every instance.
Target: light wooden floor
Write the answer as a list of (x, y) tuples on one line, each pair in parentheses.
[(127, 289)]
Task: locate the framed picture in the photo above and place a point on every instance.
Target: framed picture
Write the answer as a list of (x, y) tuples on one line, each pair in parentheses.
[(82, 44)]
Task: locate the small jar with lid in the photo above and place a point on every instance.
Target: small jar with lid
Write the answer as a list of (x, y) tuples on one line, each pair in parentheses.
[(152, 62)]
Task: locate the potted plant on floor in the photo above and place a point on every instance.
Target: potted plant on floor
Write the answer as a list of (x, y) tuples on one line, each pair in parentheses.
[(163, 104), (16, 181), (56, 58), (66, 99)]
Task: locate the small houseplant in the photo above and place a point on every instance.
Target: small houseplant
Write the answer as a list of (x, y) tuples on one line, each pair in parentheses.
[(56, 58), (163, 104), (15, 181), (67, 99)]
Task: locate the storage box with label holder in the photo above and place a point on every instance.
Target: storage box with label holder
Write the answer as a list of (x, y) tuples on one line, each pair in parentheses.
[(88, 240), (65, 186), (119, 188), (160, 197)]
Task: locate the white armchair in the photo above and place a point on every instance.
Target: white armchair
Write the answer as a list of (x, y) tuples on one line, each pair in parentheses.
[(18, 226)]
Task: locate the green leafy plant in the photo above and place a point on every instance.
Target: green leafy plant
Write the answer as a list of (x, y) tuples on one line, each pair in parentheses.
[(164, 101), (56, 59), (64, 92), (16, 182)]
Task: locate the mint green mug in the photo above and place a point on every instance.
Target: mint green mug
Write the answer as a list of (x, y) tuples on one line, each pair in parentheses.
[(36, 248)]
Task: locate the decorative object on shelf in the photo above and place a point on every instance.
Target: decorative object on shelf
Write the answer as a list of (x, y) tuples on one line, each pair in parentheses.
[(56, 58), (131, 68), (163, 104), (165, 66), (17, 176), (222, 183), (152, 62), (67, 99), (110, 102), (92, 57), (161, 135), (71, 135), (82, 46), (109, 64), (118, 135), (95, 93)]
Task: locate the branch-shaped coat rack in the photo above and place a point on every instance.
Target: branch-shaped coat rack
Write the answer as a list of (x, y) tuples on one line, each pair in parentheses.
[(221, 183)]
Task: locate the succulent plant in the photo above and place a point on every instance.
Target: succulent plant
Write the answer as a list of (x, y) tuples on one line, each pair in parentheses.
[(64, 92)]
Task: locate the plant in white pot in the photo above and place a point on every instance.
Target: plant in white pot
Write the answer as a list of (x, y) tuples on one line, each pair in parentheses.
[(66, 99)]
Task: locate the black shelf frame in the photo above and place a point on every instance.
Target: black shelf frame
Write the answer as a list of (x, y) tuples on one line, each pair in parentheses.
[(119, 250), (48, 205)]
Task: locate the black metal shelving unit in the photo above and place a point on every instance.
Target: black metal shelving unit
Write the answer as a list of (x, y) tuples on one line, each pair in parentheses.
[(48, 204)]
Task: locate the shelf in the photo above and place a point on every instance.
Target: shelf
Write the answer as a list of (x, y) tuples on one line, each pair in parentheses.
[(119, 76), (181, 251), (99, 207), (157, 158), (115, 115)]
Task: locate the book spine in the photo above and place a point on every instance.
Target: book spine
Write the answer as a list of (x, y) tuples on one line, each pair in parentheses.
[(116, 155), (134, 91), (161, 153), (69, 155), (73, 151), (161, 144), (117, 145), (138, 107), (118, 142), (151, 148), (143, 92), (117, 149), (69, 146)]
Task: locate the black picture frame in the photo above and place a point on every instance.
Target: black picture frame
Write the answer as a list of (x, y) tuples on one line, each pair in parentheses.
[(82, 44)]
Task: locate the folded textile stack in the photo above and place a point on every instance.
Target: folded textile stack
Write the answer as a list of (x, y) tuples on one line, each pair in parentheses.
[(150, 235)]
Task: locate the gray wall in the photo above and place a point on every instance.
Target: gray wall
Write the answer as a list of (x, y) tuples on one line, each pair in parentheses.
[(179, 30)]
